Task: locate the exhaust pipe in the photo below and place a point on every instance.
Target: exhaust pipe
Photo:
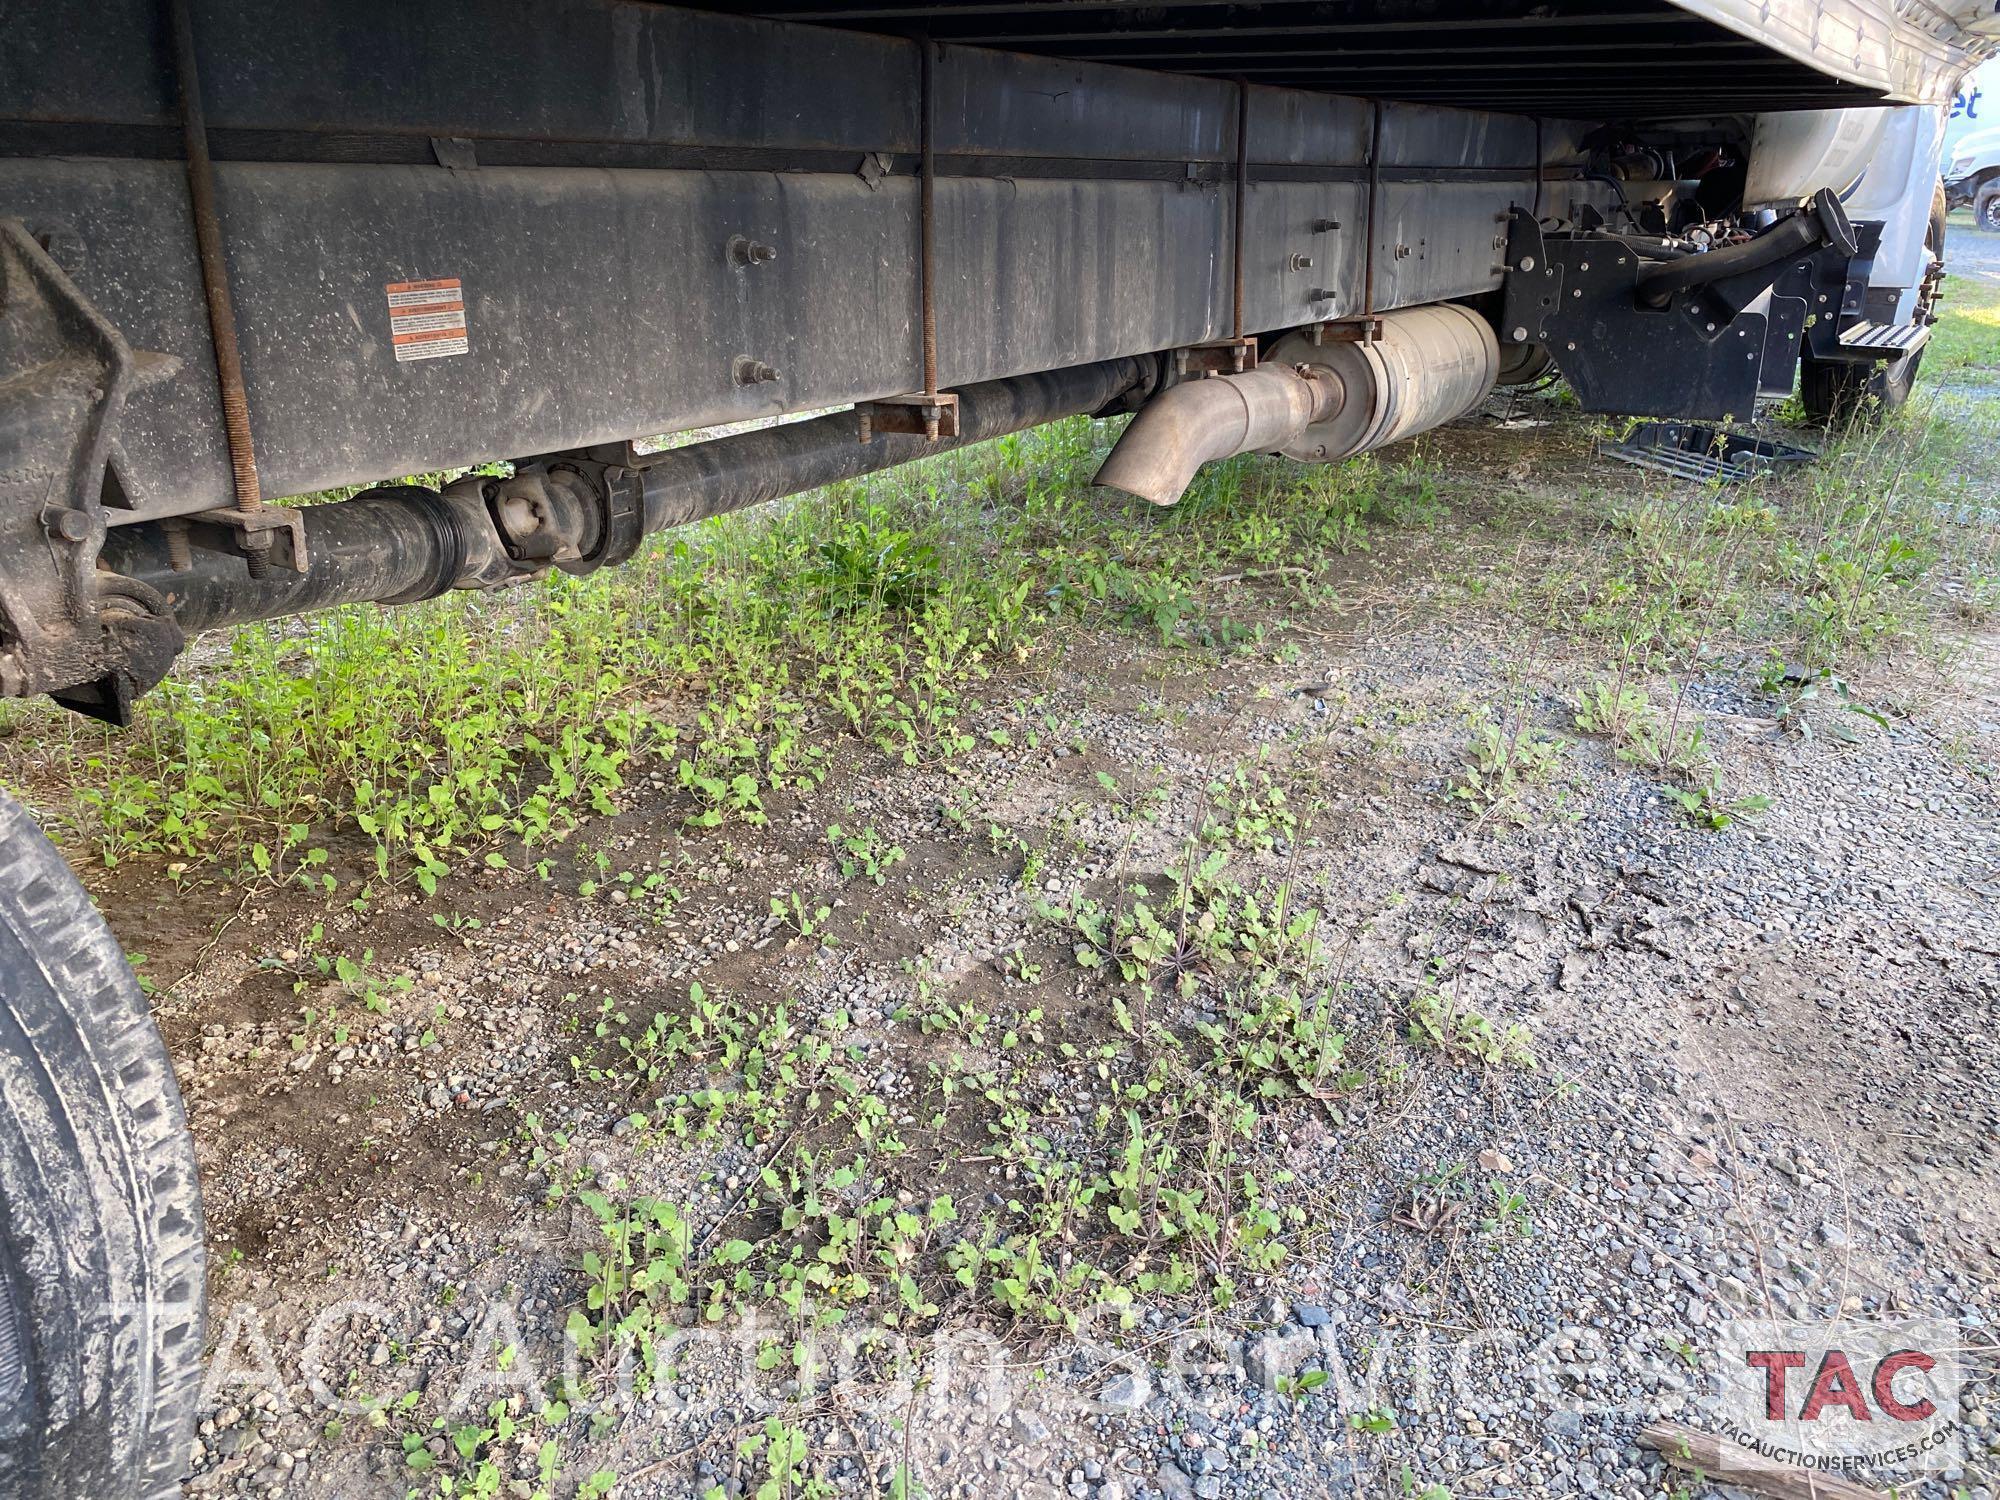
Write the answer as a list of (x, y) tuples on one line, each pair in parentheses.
[(1312, 402), (1189, 425)]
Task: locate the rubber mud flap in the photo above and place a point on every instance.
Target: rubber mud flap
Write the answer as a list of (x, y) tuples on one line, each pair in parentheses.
[(101, 1263)]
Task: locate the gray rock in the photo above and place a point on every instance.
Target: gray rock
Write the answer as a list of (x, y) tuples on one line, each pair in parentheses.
[(1273, 1355), (1126, 1392), (1029, 1428)]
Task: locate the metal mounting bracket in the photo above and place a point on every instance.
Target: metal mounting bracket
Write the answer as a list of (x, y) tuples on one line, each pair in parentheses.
[(1347, 331), (930, 415), (1217, 357), (270, 536)]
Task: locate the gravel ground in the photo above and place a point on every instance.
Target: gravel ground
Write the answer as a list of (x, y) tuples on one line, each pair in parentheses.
[(1765, 1085), (1973, 252)]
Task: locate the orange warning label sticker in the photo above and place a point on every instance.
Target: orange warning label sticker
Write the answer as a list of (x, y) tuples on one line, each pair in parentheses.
[(427, 318)]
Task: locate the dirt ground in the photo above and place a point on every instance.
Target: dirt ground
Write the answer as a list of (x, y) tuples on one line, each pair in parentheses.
[(1756, 1071)]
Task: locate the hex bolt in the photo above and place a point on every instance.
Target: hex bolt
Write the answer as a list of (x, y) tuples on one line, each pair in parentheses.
[(1325, 226), (1300, 262), (1320, 294), (750, 371)]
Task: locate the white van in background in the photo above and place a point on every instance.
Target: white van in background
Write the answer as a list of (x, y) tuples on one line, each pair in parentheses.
[(1972, 147)]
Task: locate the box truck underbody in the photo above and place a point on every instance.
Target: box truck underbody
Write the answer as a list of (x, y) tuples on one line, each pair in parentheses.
[(392, 239), (248, 254)]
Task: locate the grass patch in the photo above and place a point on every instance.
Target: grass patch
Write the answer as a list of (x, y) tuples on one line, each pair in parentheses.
[(729, 662), (1967, 336)]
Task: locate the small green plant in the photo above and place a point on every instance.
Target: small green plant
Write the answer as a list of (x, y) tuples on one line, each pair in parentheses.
[(1503, 762), (1249, 808), (1376, 1420), (1439, 1021), (1020, 968), (1507, 1213), (864, 852), (1296, 1388), (807, 921), (1797, 695), (1708, 805), (358, 977), (782, 1452), (1673, 746), (1614, 708), (869, 563), (1144, 806)]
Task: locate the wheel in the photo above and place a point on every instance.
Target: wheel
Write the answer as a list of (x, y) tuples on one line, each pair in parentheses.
[(1986, 208), (1836, 392), (100, 1216)]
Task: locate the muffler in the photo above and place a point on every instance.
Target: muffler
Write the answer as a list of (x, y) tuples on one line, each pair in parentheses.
[(1313, 402)]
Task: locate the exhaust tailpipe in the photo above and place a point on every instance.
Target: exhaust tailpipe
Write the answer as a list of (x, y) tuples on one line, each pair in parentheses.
[(1312, 402), (1189, 425)]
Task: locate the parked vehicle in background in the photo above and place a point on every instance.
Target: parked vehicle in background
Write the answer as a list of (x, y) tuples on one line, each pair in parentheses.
[(1972, 176)]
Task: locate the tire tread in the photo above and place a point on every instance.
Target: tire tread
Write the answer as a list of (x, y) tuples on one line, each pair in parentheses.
[(111, 1078)]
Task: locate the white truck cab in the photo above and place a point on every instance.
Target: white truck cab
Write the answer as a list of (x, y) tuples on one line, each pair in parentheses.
[(1972, 176)]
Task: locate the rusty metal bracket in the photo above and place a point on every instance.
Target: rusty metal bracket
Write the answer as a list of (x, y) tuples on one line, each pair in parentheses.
[(928, 414), (931, 407), (253, 534), (67, 626), (1347, 331), (1217, 357), (274, 533)]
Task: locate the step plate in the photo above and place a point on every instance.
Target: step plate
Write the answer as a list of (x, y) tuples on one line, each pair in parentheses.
[(1885, 340)]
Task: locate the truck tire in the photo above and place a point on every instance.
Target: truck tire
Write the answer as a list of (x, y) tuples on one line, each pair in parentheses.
[(101, 1263), (1837, 392), (1986, 207)]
